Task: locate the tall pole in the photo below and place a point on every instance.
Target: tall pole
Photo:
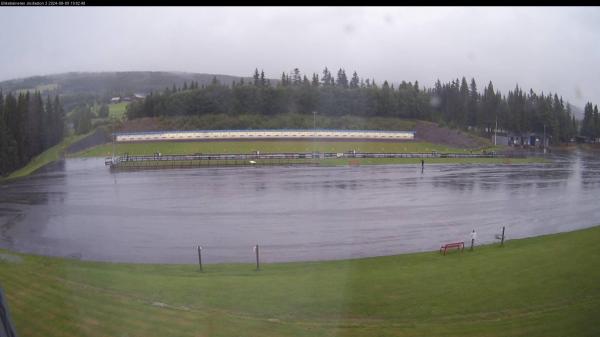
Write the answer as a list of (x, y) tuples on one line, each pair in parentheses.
[(314, 131), (257, 262), (200, 257), (544, 140), (495, 131), (113, 138)]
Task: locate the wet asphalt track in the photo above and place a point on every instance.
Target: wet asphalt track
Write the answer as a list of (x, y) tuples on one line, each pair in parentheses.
[(78, 209)]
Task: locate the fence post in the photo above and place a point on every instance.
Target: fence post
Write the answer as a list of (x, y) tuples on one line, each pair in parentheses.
[(257, 259), (502, 242), (200, 257)]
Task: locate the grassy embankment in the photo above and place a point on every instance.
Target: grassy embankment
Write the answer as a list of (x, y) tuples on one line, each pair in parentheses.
[(149, 148), (543, 286), (52, 154)]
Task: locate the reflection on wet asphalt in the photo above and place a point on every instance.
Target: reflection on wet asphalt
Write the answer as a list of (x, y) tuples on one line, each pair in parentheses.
[(77, 208)]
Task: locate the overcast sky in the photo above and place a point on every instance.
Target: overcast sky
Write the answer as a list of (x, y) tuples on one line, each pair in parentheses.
[(547, 49)]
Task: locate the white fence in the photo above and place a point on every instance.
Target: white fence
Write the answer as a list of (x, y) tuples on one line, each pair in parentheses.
[(263, 134)]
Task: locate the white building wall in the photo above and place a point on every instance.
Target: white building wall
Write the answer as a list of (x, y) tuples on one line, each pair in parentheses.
[(249, 134)]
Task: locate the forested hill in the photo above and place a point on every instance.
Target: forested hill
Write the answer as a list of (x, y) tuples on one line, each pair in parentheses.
[(75, 88), (459, 103)]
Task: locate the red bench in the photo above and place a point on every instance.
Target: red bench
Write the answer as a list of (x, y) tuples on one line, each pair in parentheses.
[(459, 245)]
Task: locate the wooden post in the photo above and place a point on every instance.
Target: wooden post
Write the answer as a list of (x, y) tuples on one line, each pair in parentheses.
[(200, 257), (472, 243), (257, 260), (502, 242)]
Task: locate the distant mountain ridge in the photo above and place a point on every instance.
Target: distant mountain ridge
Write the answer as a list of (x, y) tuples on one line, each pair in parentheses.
[(111, 83), (75, 88)]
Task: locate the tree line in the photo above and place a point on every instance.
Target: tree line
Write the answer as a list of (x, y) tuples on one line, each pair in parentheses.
[(28, 126), (457, 103), (590, 125)]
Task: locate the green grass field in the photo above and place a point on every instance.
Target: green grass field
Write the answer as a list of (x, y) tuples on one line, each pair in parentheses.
[(265, 147), (148, 148), (117, 110), (542, 286)]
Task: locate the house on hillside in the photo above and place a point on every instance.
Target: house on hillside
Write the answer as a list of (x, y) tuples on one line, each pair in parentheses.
[(115, 100), (138, 97)]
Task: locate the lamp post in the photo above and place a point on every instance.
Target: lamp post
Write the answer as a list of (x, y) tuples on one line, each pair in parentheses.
[(314, 131), (544, 140), (113, 138), (495, 132)]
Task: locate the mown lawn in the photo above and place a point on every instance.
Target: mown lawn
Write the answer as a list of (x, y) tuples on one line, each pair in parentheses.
[(117, 110), (543, 286), (264, 147), (149, 148)]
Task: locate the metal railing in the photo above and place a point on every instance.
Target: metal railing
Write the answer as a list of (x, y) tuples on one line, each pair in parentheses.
[(243, 158)]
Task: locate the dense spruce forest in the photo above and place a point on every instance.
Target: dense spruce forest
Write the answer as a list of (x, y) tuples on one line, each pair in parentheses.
[(28, 126), (459, 103)]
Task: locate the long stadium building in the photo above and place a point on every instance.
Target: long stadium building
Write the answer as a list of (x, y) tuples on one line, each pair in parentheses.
[(263, 134)]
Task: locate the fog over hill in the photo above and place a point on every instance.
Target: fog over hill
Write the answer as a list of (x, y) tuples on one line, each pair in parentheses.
[(102, 85), (110, 83), (549, 49)]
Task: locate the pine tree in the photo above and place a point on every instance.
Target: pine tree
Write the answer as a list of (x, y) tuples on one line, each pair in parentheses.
[(588, 118), (103, 111), (263, 82), (58, 120), (342, 80), (35, 118), (2, 106), (283, 80), (315, 80), (463, 103), (50, 135), (296, 78), (354, 82), (8, 150), (596, 133), (23, 140), (473, 104), (326, 79), (256, 77), (83, 118)]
